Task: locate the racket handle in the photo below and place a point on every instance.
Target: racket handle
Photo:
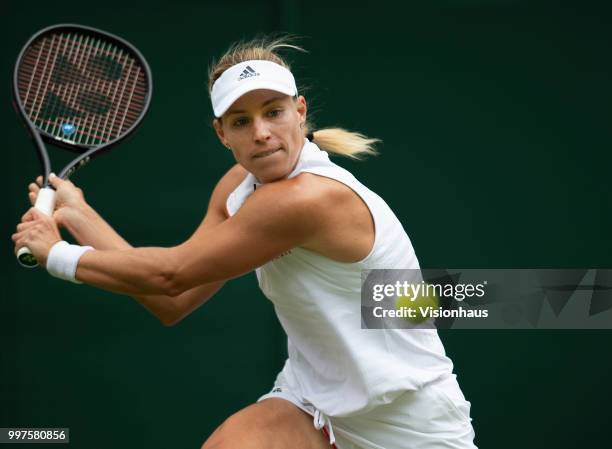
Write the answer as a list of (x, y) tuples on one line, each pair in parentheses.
[(45, 202)]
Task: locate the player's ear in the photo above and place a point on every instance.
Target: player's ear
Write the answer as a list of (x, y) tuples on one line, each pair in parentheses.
[(302, 108), (219, 131)]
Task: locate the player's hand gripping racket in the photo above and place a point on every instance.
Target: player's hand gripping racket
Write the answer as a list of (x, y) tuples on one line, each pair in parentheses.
[(82, 89)]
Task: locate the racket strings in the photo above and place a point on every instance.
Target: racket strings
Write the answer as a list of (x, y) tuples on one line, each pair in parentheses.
[(80, 88)]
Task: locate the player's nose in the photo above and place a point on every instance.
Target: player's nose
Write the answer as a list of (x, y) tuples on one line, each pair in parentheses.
[(261, 130)]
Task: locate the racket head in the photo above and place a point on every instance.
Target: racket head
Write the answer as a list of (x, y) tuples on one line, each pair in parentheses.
[(81, 88)]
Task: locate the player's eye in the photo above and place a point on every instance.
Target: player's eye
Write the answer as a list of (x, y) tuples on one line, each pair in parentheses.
[(240, 122), (275, 112)]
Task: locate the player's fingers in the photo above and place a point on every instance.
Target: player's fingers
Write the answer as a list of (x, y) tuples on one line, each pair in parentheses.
[(17, 236), (19, 243), (37, 214), (23, 226), (39, 181), (33, 193), (55, 181), (33, 214), (28, 216)]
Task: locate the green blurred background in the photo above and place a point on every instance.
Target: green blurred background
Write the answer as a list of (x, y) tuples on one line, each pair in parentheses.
[(495, 117)]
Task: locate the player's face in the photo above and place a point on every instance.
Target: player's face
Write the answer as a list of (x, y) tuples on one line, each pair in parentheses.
[(263, 130)]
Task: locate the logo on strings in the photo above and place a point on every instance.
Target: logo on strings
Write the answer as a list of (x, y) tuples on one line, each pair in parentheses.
[(68, 129)]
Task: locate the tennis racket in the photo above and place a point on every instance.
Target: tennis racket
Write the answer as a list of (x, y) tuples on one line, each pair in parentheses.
[(81, 89)]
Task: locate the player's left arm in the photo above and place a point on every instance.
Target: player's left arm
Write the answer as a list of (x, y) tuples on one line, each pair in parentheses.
[(276, 218)]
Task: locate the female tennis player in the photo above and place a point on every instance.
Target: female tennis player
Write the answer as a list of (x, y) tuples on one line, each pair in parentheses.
[(307, 228)]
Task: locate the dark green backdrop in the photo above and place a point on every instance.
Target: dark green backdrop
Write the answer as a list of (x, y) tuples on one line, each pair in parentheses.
[(495, 117)]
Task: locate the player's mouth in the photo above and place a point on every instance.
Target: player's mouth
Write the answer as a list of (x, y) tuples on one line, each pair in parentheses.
[(266, 153)]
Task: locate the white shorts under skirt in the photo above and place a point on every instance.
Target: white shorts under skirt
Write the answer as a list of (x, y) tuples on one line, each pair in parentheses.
[(435, 417)]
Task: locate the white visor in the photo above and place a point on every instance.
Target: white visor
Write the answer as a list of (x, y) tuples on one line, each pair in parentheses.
[(247, 76)]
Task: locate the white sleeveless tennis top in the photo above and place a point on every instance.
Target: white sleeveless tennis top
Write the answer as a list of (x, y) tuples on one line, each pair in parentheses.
[(333, 363)]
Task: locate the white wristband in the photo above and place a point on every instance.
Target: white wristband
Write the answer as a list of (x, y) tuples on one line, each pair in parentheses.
[(63, 259)]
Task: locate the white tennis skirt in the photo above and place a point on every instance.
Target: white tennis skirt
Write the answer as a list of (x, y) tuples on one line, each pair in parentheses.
[(435, 417)]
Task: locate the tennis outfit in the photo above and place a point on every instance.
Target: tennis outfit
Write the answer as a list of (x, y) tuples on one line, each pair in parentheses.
[(366, 388)]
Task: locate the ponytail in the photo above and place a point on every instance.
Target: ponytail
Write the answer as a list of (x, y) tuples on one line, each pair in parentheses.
[(344, 143)]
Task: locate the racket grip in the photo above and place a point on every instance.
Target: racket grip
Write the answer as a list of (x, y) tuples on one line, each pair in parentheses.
[(45, 202)]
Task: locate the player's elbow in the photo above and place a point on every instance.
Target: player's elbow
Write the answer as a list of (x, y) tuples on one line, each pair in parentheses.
[(170, 286), (169, 321), (168, 279)]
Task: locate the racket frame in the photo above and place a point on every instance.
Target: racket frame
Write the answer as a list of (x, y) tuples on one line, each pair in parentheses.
[(87, 152)]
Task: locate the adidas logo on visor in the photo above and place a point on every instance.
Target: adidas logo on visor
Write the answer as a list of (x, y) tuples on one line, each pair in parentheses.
[(247, 73)]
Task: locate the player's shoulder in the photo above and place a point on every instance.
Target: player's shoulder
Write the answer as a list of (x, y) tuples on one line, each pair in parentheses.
[(233, 177), (226, 185), (230, 180), (321, 189), (305, 190)]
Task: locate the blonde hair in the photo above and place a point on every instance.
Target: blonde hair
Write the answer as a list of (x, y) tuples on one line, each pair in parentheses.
[(333, 140)]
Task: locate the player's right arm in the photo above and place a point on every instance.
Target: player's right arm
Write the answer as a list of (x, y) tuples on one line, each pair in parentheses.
[(87, 227)]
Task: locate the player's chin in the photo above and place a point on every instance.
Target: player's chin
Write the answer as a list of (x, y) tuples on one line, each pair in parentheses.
[(271, 168)]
